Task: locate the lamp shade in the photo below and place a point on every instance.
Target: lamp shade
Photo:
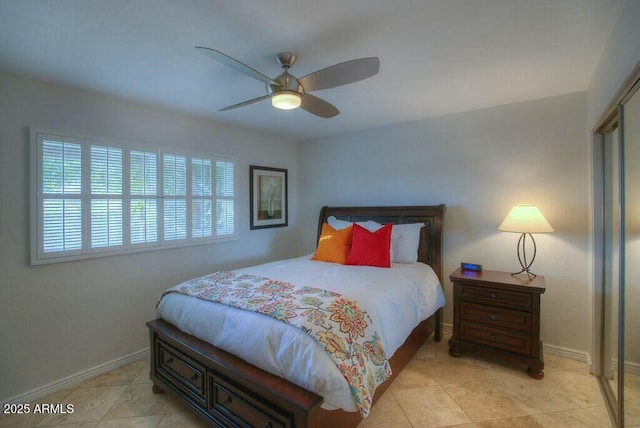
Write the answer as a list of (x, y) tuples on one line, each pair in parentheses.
[(525, 218)]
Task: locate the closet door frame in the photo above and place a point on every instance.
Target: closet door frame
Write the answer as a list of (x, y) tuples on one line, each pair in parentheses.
[(613, 117)]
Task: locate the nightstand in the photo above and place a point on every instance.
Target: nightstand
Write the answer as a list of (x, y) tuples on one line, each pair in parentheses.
[(497, 315)]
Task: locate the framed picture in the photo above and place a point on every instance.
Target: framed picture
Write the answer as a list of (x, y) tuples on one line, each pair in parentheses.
[(268, 189)]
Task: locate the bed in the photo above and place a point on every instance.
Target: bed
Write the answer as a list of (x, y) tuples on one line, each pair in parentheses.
[(229, 391)]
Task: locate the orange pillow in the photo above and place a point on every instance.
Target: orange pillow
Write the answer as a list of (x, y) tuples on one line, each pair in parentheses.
[(333, 245), (371, 248)]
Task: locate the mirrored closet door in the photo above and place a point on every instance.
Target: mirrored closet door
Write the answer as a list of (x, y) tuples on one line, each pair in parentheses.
[(618, 365), (631, 309), (611, 264)]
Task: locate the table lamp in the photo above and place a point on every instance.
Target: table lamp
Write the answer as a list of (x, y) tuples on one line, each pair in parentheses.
[(525, 219)]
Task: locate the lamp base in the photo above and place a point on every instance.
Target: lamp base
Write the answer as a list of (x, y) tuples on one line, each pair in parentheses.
[(522, 256), (530, 274)]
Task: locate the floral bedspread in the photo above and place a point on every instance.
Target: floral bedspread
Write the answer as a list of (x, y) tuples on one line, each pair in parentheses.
[(338, 323)]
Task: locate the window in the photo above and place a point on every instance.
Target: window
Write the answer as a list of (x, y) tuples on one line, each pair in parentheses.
[(95, 198), (144, 197), (201, 197), (174, 178), (61, 200), (106, 197)]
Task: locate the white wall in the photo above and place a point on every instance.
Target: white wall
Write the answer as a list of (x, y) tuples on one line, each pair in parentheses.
[(60, 319), (621, 53), (479, 164)]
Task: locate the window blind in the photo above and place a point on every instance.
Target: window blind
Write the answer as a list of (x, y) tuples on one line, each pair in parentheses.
[(94, 198), (61, 173), (106, 197), (201, 194), (144, 197), (225, 194)]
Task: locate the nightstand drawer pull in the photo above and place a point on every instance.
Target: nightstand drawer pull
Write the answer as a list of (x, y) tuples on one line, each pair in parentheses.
[(492, 317), (493, 295), (169, 360), (492, 337)]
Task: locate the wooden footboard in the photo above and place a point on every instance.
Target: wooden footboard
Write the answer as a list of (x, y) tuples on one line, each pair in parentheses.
[(222, 387), (228, 391)]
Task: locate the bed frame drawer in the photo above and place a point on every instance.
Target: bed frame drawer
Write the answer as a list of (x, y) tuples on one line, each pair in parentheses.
[(242, 409), (181, 370), (257, 398)]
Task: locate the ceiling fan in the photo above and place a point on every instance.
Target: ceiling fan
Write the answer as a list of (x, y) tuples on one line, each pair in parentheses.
[(288, 92)]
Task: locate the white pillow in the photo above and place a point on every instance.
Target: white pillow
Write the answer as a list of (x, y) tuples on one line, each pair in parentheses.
[(337, 224), (405, 239)]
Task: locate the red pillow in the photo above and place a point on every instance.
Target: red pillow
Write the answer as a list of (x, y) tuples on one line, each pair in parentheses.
[(370, 248)]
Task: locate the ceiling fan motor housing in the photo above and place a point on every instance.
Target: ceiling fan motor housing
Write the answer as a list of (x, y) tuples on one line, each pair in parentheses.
[(286, 59), (286, 82)]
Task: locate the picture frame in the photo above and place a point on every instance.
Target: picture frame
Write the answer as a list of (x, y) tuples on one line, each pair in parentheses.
[(269, 197)]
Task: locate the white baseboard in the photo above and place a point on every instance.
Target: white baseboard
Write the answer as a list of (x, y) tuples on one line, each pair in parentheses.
[(633, 368), (571, 354), (629, 366), (447, 328), (75, 379)]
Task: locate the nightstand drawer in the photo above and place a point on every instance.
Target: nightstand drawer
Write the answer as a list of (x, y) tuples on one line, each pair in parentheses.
[(495, 338), (495, 296), (494, 316)]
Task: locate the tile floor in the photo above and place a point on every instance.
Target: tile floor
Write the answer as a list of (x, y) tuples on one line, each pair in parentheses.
[(434, 390)]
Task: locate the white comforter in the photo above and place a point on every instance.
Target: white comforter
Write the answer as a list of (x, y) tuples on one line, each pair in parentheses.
[(397, 299)]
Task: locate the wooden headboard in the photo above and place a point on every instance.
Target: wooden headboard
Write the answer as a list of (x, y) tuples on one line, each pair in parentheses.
[(430, 249)]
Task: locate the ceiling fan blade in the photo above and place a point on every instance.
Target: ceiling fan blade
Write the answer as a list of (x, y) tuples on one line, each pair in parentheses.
[(245, 103), (236, 65), (341, 74), (318, 106)]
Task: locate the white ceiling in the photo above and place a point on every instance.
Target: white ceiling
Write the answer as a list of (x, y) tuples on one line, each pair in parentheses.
[(437, 56)]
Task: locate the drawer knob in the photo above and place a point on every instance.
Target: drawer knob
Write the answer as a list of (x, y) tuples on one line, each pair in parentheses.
[(195, 376), (227, 399), (492, 338), (493, 295), (492, 317), (169, 360)]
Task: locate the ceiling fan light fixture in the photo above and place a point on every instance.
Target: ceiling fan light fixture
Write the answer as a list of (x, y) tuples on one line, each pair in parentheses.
[(286, 100), (286, 91)]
